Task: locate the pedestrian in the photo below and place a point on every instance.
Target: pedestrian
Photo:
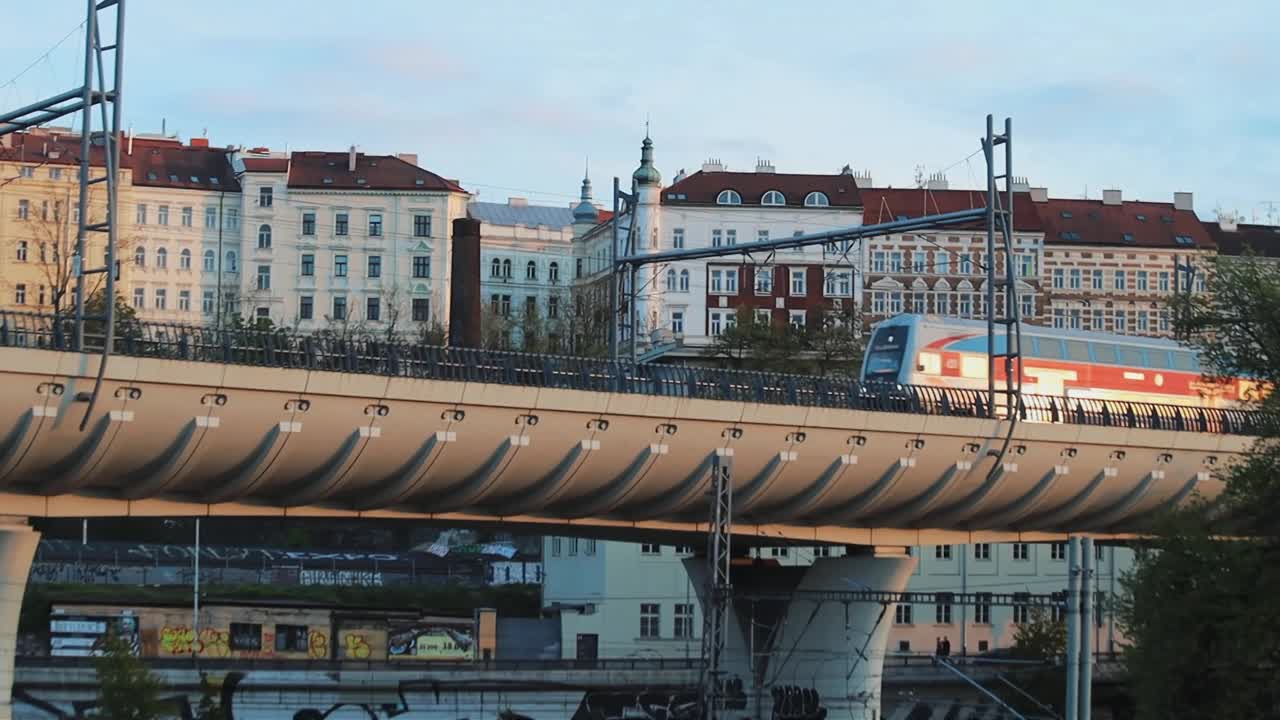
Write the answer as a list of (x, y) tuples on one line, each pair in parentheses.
[(946, 647), (937, 647)]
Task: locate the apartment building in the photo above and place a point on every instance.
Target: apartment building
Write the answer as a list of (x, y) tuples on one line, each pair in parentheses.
[(944, 272), (344, 241), (1235, 239), (619, 599), (182, 219), (1112, 265)]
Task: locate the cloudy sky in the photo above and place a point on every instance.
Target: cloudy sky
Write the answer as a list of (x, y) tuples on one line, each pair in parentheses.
[(512, 97)]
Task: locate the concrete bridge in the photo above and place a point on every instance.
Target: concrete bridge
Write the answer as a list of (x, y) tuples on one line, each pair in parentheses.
[(191, 422)]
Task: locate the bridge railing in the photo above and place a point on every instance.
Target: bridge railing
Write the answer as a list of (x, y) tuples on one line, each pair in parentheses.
[(377, 355)]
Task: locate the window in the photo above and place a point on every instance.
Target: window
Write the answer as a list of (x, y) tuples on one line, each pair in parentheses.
[(422, 266), (577, 268), (26, 172), (684, 281), (375, 224), (717, 238), (341, 224), (895, 261), (207, 302), (139, 255), (340, 308), (724, 281), (677, 238), (773, 197), (650, 549), (233, 219), (796, 318), (421, 309), (728, 197), (553, 273), (291, 638), (1097, 280), (1028, 305), (1059, 613), (162, 215), (306, 307), (20, 294), (941, 262), (797, 281), (162, 258), (506, 269), (902, 615), (1075, 279), (764, 280), (982, 551), (209, 261), (942, 613), (966, 264), (264, 236), (264, 196), (530, 306), (1021, 551), (1026, 264), (721, 320), (245, 636), (422, 226), (573, 546), (184, 300), (230, 264), (495, 268), (816, 199), (1142, 280), (919, 261), (942, 552), (308, 265), (531, 270), (1163, 281), (1119, 322), (1059, 279), (1120, 279), (553, 307), (1058, 551), (677, 322), (139, 298), (730, 237), (210, 217), (1021, 608), (22, 251), (184, 259), (339, 265), (140, 217), (650, 620), (684, 620), (556, 545), (982, 610), (161, 298), (671, 280), (764, 316), (308, 223), (839, 283), (372, 308), (264, 277), (375, 266)]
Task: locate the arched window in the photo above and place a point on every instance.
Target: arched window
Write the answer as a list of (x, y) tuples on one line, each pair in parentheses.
[(230, 265), (506, 269), (139, 257), (531, 271), (184, 259), (684, 281), (671, 280), (553, 272), (162, 258), (773, 197), (210, 259), (264, 236), (816, 199), (495, 268), (728, 197)]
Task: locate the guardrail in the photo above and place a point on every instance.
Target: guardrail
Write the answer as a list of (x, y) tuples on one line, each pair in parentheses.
[(382, 356), (332, 665)]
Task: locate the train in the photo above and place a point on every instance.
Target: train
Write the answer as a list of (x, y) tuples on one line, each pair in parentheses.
[(930, 350)]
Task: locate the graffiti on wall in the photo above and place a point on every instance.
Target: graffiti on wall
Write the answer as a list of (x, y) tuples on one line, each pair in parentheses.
[(182, 640), (432, 642), (343, 578)]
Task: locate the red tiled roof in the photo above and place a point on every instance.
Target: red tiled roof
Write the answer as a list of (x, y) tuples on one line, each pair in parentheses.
[(266, 165), (373, 172), (1129, 224), (882, 205), (43, 147), (1262, 240), (702, 188), (170, 164)]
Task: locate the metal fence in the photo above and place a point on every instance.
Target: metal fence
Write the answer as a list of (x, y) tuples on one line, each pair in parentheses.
[(247, 664), (384, 356)]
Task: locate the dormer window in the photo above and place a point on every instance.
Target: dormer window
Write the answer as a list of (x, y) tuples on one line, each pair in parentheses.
[(1142, 218), (728, 197), (173, 177), (214, 181), (419, 181), (327, 181), (152, 176), (360, 181), (195, 179), (1127, 238), (816, 199), (1066, 214), (773, 197)]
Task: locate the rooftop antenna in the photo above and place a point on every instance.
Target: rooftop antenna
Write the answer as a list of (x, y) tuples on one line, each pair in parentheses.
[(1270, 205)]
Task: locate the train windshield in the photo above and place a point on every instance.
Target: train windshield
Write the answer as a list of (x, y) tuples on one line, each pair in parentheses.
[(884, 356)]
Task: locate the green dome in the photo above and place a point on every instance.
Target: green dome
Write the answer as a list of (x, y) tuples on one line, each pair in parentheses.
[(646, 174)]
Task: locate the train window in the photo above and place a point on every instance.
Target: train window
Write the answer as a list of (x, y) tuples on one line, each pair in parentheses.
[(1049, 348), (1105, 353), (1158, 359), (1077, 350), (1186, 361), (1130, 356)]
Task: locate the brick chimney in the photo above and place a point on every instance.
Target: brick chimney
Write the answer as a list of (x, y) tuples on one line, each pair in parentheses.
[(351, 160), (1039, 194), (1183, 201), (1111, 197), (411, 158), (464, 291), (199, 142)]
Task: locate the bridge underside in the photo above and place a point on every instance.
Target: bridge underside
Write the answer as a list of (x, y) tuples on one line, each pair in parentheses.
[(174, 438)]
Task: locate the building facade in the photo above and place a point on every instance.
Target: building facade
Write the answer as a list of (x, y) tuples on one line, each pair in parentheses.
[(344, 241), (637, 600)]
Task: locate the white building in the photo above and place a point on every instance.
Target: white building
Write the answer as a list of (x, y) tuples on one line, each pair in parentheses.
[(331, 240)]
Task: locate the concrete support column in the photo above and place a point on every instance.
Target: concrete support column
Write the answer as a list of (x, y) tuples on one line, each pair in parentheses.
[(17, 548)]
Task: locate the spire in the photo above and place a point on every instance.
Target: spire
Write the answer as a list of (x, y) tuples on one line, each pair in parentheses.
[(646, 174), (585, 211), (586, 181)]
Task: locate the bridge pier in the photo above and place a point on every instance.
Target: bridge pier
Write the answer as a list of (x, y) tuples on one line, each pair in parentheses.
[(18, 542), (836, 648)]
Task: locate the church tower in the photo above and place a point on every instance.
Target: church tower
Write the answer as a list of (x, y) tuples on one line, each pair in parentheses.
[(585, 215), (646, 183)]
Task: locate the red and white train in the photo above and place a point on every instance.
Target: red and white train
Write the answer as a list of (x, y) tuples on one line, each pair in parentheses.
[(952, 352)]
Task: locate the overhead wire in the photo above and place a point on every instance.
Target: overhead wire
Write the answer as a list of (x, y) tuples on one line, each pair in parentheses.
[(43, 56)]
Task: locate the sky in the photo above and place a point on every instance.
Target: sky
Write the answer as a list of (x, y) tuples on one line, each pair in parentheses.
[(514, 98)]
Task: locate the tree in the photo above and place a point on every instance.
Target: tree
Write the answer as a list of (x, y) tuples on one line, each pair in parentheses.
[(1199, 607), (829, 343), (1041, 638), (127, 689)]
